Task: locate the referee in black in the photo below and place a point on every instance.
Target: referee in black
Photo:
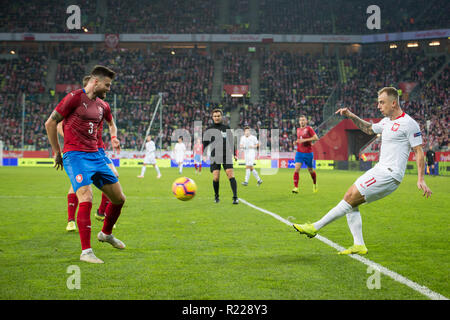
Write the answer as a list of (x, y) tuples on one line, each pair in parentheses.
[(430, 161), (221, 139)]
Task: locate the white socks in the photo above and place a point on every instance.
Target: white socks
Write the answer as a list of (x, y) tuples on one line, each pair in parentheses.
[(247, 175), (355, 224), (157, 170), (143, 171), (180, 167), (255, 173), (86, 251), (340, 210)]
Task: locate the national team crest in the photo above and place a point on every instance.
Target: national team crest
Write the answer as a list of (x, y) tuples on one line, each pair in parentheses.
[(79, 178), (395, 126)]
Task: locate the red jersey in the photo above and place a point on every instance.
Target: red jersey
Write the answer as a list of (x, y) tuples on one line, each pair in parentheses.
[(304, 133), (198, 148), (100, 143), (82, 117)]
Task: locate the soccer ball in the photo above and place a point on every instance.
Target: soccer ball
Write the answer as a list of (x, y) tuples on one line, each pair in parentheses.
[(184, 188)]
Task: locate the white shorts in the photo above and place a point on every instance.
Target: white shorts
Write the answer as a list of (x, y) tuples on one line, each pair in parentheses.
[(249, 156), (250, 161), (376, 184), (179, 159), (149, 160)]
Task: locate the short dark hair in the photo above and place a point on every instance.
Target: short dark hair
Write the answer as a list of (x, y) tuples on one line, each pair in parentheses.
[(217, 110), (180, 137), (246, 127), (102, 71), (302, 116), (86, 80)]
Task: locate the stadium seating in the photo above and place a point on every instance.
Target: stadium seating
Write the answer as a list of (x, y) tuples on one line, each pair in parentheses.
[(204, 16), (290, 84)]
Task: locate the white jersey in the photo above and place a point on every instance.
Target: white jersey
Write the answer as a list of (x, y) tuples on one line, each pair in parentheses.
[(150, 149), (249, 144), (398, 136), (179, 151)]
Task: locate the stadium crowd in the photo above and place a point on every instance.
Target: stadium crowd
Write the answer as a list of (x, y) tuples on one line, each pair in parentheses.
[(291, 83), (204, 16)]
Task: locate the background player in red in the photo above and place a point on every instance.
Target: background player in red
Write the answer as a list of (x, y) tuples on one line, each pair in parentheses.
[(82, 112), (198, 152), (305, 135)]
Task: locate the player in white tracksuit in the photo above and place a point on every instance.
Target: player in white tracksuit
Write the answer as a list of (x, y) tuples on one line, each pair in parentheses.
[(399, 133), (249, 143), (150, 157), (178, 154)]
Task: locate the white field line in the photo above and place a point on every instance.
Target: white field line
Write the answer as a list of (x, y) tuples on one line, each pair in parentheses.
[(391, 274)]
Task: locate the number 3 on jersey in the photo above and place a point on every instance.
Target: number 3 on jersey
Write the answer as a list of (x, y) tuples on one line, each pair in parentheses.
[(91, 128)]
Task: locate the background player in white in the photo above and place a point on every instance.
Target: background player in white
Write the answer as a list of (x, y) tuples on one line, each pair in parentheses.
[(250, 144), (399, 133), (150, 157), (179, 151)]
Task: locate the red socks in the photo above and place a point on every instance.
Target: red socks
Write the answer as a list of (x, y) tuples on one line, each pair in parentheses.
[(313, 176), (84, 224), (296, 178), (112, 213), (72, 203), (103, 204)]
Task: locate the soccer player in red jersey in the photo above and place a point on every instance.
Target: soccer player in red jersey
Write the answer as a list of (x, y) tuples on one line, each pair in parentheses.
[(198, 152), (82, 113), (72, 200), (305, 135)]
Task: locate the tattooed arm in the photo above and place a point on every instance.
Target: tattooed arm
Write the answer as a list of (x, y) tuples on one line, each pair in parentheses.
[(52, 133), (365, 126)]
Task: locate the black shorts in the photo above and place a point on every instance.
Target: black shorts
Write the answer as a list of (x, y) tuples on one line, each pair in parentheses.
[(216, 166), (430, 163)]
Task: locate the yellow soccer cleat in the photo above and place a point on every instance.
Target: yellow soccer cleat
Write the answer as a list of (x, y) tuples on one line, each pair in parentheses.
[(99, 216), (295, 190), (355, 249), (307, 228), (315, 188), (71, 226)]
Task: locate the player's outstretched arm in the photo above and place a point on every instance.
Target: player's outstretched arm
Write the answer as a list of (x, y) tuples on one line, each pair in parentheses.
[(52, 133), (420, 171), (365, 126), (113, 132)]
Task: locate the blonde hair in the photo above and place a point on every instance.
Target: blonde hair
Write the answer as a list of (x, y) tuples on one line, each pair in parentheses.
[(391, 92)]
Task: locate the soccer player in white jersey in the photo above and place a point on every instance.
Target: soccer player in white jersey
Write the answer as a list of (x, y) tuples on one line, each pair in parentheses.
[(399, 133), (150, 157), (179, 151), (250, 144)]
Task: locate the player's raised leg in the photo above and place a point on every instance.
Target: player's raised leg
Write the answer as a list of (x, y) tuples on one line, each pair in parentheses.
[(117, 197), (352, 198)]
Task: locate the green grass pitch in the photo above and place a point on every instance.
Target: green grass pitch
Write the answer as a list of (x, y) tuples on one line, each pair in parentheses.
[(202, 250)]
